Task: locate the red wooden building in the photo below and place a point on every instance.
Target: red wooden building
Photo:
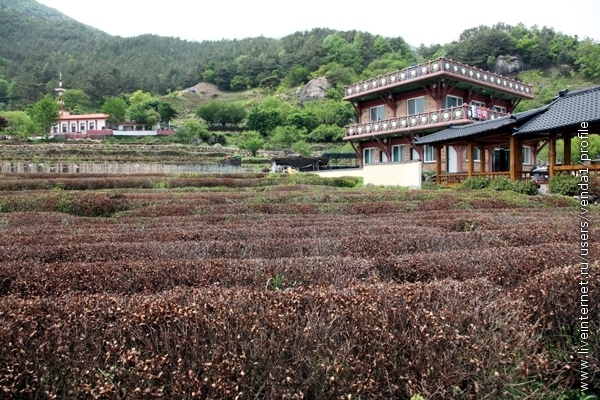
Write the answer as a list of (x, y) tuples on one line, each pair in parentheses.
[(396, 108)]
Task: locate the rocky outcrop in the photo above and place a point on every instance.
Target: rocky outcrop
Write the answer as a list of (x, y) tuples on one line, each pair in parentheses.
[(314, 89), (508, 65)]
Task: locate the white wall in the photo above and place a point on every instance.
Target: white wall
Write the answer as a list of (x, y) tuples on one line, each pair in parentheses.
[(134, 133), (406, 174)]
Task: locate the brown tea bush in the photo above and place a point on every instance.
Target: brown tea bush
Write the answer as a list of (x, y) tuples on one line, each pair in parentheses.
[(505, 266), (362, 340), (75, 203), (140, 276), (555, 314), (286, 291)]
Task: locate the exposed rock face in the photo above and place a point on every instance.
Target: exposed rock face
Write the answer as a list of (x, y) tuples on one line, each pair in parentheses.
[(314, 89), (508, 65)]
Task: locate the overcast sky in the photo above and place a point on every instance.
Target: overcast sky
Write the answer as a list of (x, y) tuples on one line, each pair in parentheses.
[(417, 21)]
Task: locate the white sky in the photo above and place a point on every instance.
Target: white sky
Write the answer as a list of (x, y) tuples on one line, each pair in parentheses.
[(417, 21)]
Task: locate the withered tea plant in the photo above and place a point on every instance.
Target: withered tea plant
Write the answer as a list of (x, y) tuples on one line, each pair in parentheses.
[(276, 288)]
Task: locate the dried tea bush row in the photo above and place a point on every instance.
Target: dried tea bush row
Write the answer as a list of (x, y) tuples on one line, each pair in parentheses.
[(384, 245), (124, 183), (134, 276), (148, 182), (164, 204), (359, 245), (506, 266), (555, 314), (363, 340), (74, 203), (428, 201), (65, 231), (356, 208), (28, 219), (451, 220), (503, 266)]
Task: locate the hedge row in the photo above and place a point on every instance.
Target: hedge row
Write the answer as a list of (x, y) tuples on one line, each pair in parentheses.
[(443, 339)]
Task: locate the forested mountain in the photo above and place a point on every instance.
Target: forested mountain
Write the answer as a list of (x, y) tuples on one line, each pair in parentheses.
[(36, 43), (34, 9)]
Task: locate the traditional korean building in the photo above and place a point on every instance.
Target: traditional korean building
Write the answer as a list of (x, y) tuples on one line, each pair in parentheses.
[(397, 108), (514, 141)]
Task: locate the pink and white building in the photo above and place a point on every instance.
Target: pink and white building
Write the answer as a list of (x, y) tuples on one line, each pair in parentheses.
[(84, 124), (96, 125)]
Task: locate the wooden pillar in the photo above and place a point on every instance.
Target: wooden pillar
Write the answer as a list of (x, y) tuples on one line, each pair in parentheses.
[(516, 158), (438, 164), (471, 157), (358, 153), (552, 155), (567, 150), (482, 159)]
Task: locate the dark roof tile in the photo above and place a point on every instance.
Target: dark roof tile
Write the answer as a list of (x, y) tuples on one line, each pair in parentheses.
[(568, 110), (464, 131)]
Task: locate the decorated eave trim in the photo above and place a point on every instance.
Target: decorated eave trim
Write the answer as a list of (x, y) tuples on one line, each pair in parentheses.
[(440, 67)]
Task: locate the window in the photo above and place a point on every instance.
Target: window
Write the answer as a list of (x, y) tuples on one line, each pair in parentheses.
[(91, 126), (54, 128), (476, 154), (500, 109), (453, 101), (73, 127), (377, 113), (526, 155), (368, 156), (478, 103), (398, 153), (429, 153), (64, 127), (416, 105), (82, 127)]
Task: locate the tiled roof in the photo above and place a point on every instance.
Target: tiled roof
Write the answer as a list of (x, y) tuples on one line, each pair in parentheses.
[(464, 131), (568, 110)]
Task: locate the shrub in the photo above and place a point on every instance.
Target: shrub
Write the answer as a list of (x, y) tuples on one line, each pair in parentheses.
[(564, 184), (524, 187), (303, 148), (475, 182), (594, 185), (501, 184), (347, 181)]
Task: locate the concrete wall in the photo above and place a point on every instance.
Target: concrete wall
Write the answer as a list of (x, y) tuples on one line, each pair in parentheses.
[(390, 174)]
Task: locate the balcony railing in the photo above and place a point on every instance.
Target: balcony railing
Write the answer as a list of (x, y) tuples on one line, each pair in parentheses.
[(435, 66), (423, 120)]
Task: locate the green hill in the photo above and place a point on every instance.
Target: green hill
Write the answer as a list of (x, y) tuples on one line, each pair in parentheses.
[(37, 42)]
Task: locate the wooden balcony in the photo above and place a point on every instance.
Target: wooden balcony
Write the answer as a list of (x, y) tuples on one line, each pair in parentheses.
[(435, 119), (441, 68)]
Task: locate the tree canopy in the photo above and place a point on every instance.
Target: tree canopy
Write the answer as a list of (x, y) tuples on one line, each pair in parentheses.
[(45, 113)]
